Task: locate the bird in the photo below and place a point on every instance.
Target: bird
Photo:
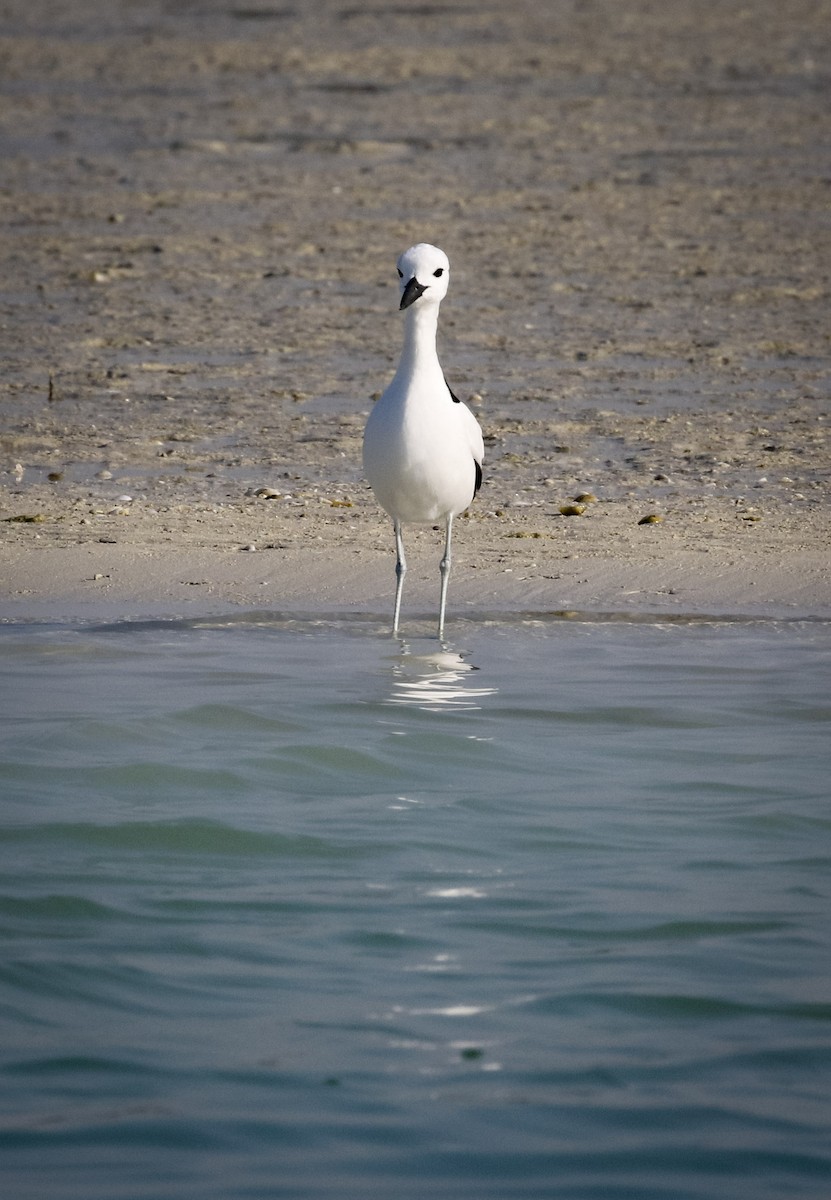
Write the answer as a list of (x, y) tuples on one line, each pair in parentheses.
[(423, 448)]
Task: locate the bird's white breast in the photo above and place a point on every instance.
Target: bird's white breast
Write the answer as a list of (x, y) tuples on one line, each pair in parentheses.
[(420, 450)]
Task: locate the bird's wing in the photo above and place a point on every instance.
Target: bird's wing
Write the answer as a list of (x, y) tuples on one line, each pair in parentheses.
[(475, 441), (474, 435)]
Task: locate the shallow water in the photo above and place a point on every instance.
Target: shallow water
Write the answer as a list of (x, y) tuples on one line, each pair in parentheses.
[(292, 909)]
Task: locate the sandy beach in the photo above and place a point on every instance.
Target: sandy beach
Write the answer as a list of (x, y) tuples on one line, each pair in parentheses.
[(202, 204)]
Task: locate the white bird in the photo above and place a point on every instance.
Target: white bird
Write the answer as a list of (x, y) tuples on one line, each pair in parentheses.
[(423, 448)]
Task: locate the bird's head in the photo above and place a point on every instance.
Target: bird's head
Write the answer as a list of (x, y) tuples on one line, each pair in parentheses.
[(423, 273)]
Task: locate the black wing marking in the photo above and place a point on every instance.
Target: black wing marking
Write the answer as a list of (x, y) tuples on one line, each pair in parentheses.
[(453, 395)]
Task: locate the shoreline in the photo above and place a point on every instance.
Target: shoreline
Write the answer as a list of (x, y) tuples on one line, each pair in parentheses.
[(86, 584)]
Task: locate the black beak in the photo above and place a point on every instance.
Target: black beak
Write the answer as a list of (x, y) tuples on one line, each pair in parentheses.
[(411, 292)]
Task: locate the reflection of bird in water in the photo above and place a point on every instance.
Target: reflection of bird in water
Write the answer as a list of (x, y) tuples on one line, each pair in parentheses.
[(436, 682), (423, 448)]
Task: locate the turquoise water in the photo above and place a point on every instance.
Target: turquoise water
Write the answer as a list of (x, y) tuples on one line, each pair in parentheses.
[(290, 909)]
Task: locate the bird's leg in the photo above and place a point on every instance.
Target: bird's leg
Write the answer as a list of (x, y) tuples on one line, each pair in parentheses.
[(400, 572), (444, 567)]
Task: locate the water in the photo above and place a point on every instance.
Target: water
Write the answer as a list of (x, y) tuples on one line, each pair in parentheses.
[(289, 909)]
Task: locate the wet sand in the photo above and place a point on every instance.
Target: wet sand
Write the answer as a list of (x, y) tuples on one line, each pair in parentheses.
[(202, 204)]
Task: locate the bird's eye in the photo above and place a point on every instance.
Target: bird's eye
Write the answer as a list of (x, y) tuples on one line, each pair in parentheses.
[(439, 271), (400, 273)]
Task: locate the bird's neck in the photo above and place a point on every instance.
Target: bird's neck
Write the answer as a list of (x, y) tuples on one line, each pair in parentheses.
[(419, 349)]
